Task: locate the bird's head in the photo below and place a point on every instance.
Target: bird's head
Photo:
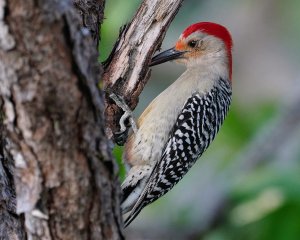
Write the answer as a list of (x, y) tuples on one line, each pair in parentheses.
[(199, 42)]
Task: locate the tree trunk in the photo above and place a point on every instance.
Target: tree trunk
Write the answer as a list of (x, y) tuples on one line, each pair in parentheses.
[(64, 177)]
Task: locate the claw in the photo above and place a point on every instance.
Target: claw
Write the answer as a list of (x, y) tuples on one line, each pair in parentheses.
[(127, 114), (120, 137)]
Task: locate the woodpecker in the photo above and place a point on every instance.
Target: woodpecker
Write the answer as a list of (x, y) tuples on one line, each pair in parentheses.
[(179, 124)]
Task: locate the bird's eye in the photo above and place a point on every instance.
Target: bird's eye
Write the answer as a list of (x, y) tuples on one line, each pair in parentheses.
[(192, 43)]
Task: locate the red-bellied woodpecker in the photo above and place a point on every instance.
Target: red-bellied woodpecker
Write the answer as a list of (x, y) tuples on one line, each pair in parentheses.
[(179, 124)]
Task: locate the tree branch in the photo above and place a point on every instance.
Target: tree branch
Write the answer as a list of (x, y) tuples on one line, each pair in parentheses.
[(127, 72)]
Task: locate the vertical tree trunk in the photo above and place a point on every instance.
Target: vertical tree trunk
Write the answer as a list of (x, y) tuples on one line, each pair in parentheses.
[(65, 179)]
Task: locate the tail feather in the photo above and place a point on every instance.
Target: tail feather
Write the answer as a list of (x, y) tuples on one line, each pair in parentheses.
[(136, 200), (141, 202), (132, 216), (133, 186)]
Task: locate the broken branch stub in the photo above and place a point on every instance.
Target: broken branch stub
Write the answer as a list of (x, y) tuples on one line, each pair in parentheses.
[(127, 71)]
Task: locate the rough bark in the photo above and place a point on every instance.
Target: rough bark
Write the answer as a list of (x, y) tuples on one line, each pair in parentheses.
[(65, 178), (127, 69), (11, 224), (92, 14)]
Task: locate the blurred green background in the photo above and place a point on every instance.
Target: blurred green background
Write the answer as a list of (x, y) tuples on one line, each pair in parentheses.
[(247, 184)]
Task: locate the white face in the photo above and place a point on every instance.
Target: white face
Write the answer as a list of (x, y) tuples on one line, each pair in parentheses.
[(199, 46)]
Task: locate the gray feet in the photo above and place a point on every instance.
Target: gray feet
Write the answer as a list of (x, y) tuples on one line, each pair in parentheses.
[(127, 115)]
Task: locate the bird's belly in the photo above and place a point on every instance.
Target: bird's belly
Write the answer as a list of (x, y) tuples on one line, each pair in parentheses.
[(147, 144), (158, 119)]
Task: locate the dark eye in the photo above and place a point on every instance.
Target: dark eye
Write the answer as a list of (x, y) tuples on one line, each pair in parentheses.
[(192, 43)]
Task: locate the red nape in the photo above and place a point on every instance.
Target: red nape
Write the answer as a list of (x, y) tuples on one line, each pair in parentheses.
[(216, 30)]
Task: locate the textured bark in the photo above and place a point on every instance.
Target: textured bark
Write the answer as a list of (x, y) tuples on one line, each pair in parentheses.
[(127, 69), (11, 224), (92, 13), (65, 178)]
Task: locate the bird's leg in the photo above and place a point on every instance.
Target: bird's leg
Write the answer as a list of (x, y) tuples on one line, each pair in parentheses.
[(127, 114)]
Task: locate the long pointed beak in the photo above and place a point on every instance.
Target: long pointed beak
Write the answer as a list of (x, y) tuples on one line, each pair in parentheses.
[(168, 55)]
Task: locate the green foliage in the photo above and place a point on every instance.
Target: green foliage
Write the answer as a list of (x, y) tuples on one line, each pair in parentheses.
[(241, 124), (239, 127), (117, 152), (265, 205)]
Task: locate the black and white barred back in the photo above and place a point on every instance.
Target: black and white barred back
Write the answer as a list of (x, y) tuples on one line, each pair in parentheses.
[(194, 130)]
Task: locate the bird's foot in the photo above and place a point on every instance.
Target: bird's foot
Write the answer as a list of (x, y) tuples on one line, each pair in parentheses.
[(120, 136)]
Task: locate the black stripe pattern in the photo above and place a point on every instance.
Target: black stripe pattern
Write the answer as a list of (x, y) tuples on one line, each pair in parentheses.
[(195, 128)]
